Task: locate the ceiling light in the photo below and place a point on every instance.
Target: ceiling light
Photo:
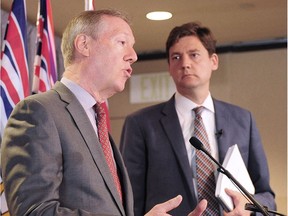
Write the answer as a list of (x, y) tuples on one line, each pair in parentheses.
[(159, 15)]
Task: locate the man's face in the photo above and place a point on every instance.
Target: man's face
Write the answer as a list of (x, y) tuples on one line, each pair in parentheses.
[(112, 54), (190, 65)]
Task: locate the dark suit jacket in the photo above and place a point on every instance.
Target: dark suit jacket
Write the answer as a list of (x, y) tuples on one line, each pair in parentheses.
[(154, 152), (53, 163)]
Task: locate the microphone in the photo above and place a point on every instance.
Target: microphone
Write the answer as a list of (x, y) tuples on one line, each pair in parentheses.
[(199, 146), (196, 143), (219, 133)]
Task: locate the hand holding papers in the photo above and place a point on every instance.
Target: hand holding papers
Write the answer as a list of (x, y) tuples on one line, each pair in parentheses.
[(198, 145), (234, 163)]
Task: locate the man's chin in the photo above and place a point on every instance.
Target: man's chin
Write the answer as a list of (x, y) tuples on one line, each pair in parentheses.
[(120, 88)]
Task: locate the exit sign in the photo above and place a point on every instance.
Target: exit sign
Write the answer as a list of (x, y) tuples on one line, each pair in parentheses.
[(151, 87)]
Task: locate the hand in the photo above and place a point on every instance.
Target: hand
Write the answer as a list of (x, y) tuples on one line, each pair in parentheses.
[(239, 203), (162, 208)]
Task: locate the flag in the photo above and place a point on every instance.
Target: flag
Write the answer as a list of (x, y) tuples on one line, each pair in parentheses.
[(45, 67), (89, 5), (4, 208), (14, 75)]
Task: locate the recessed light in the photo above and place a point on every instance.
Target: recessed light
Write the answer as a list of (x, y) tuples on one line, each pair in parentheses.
[(159, 15)]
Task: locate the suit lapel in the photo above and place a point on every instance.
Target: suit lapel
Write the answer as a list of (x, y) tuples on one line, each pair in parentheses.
[(86, 130), (222, 120), (175, 136), (124, 178)]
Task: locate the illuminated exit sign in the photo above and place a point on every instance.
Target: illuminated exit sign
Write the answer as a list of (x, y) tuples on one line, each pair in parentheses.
[(151, 87)]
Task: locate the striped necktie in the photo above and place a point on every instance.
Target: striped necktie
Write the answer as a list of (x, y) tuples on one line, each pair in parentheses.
[(204, 167)]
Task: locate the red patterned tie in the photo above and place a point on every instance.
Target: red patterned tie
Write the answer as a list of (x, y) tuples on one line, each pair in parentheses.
[(204, 167), (104, 140)]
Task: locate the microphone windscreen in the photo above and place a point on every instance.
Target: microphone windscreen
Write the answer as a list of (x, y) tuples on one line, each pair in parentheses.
[(196, 143)]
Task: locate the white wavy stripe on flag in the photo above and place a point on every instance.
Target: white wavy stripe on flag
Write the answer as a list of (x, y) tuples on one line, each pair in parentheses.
[(14, 77), (4, 207), (14, 73), (47, 58), (46, 79), (42, 78), (6, 91)]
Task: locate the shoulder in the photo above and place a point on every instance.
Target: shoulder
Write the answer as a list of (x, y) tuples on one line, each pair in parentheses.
[(41, 103), (41, 99), (148, 110), (51, 98), (229, 107), (232, 112), (157, 110)]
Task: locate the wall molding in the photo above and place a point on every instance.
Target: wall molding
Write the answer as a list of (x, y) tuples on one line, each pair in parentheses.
[(235, 47)]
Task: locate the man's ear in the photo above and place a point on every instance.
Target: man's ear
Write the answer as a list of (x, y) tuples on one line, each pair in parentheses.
[(81, 44), (215, 61)]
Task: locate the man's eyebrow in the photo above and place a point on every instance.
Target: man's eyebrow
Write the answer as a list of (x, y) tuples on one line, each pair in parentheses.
[(194, 50), (189, 51), (175, 53)]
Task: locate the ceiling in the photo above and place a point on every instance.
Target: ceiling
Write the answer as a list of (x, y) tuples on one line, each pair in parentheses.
[(232, 21)]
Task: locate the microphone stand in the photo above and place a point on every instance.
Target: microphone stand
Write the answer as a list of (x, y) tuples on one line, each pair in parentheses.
[(198, 145)]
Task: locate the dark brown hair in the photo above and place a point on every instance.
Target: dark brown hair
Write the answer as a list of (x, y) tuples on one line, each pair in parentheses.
[(192, 29)]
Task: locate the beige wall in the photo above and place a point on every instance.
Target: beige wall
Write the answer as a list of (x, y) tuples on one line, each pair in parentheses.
[(253, 80)]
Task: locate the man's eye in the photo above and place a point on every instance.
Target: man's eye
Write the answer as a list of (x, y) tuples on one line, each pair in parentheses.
[(194, 55), (175, 57)]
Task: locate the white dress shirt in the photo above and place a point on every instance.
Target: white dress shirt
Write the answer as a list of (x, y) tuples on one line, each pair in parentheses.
[(186, 115), (84, 98)]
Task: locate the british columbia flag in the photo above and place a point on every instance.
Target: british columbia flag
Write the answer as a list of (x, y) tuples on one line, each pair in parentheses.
[(14, 76), (45, 68)]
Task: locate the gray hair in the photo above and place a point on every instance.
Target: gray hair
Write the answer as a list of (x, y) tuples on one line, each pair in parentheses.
[(87, 23)]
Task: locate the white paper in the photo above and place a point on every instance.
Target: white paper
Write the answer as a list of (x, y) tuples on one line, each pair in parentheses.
[(233, 162)]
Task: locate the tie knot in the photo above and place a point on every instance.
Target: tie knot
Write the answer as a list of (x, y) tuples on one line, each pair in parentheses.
[(198, 110), (99, 109)]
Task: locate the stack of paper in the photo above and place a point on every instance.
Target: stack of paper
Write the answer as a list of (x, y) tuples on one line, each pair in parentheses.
[(234, 163)]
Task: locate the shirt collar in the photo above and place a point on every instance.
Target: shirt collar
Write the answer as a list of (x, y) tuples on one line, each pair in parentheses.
[(85, 99), (185, 105)]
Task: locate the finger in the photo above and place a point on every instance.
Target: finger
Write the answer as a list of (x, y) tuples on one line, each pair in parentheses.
[(170, 204), (230, 192), (200, 208)]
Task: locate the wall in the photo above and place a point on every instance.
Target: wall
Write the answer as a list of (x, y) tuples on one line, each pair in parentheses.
[(253, 80)]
